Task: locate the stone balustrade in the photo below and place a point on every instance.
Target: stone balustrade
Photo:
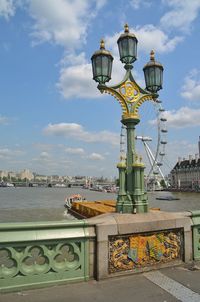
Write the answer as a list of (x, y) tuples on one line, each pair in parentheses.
[(43, 253)]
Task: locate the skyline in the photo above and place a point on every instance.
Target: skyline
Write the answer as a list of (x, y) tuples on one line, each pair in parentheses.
[(53, 118)]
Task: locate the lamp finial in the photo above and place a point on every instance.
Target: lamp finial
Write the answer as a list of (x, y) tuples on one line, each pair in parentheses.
[(152, 55), (126, 28), (102, 44)]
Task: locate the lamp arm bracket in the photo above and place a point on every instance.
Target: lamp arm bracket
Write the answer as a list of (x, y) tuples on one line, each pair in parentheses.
[(117, 95), (129, 94), (141, 100), (128, 76)]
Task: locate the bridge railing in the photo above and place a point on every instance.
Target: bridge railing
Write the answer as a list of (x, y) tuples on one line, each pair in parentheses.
[(43, 253), (196, 234)]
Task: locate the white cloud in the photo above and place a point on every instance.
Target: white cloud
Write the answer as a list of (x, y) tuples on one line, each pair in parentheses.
[(76, 80), (77, 132), (175, 149), (183, 118), (149, 37), (63, 22), (191, 86), (181, 15), (75, 151), (136, 4), (42, 146), (44, 155), (50, 164), (181, 148), (95, 156), (7, 8), (8, 153), (3, 120)]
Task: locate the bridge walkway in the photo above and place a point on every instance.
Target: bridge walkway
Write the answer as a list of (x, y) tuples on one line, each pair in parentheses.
[(154, 286)]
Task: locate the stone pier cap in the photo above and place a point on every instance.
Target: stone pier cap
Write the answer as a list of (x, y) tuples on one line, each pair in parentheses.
[(118, 224)]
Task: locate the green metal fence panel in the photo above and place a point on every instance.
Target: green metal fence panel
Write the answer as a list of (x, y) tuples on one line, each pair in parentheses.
[(37, 255), (196, 234), (196, 242)]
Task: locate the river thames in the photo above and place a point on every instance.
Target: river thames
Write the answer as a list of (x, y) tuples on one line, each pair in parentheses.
[(39, 204)]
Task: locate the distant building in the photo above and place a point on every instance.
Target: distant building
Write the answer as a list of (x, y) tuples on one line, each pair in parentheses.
[(3, 174), (40, 178), (26, 174), (12, 174), (199, 146), (186, 174)]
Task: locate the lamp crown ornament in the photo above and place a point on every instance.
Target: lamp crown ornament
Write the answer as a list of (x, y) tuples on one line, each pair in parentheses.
[(102, 44), (152, 55), (126, 28)]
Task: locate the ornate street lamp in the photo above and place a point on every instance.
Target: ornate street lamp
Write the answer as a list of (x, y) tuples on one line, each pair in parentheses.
[(102, 64), (127, 44), (153, 73), (132, 197)]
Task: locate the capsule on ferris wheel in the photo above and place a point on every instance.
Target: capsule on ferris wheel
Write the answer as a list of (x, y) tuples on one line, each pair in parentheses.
[(163, 119)]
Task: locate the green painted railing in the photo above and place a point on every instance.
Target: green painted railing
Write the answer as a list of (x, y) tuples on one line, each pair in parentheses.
[(43, 253), (196, 234)]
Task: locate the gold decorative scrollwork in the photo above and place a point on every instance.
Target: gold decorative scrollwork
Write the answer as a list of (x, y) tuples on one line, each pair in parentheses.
[(119, 97), (141, 101), (130, 92), (129, 96)]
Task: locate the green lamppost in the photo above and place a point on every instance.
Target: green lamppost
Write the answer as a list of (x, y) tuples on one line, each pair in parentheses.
[(132, 197)]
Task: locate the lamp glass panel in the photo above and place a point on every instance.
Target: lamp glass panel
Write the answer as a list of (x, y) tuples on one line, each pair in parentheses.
[(151, 76), (105, 66), (94, 67), (109, 67), (158, 73), (132, 50), (125, 49), (120, 48), (98, 63)]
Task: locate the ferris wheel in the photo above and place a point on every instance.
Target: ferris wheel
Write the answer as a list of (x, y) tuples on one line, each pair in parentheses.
[(151, 141)]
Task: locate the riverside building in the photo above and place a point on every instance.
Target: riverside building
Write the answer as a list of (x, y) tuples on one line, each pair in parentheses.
[(186, 173)]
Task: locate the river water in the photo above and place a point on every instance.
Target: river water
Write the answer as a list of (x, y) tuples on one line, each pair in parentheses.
[(40, 204)]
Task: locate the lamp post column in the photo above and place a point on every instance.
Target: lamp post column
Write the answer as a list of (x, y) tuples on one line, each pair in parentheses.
[(130, 124), (143, 191), (140, 198), (122, 196)]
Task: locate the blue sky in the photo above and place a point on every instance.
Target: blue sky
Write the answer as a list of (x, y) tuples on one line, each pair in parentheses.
[(53, 120)]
